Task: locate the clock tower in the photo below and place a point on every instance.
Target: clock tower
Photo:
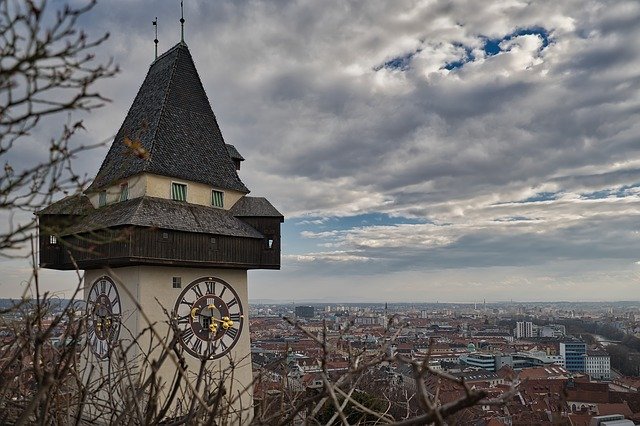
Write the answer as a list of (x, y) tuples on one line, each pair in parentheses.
[(166, 234)]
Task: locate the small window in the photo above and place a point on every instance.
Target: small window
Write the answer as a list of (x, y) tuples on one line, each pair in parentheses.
[(165, 235), (179, 191), (53, 240), (217, 198), (177, 282), (270, 242), (124, 191), (102, 199)]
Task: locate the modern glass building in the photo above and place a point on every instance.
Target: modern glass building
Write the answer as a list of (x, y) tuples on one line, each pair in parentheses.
[(574, 353)]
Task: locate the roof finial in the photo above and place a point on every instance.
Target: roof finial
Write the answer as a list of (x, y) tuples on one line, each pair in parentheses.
[(155, 40), (181, 22)]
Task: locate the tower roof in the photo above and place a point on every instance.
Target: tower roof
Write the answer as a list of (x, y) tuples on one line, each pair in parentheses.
[(170, 130)]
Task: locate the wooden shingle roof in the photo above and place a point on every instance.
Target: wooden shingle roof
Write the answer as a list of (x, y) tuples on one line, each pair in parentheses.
[(233, 153), (77, 204), (170, 130), (164, 214), (254, 207)]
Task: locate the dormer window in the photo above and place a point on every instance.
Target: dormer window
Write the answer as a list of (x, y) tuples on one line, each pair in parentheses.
[(53, 240), (178, 191), (102, 199), (217, 198), (124, 191)]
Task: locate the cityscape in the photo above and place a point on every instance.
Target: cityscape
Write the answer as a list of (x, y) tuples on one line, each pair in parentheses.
[(578, 361)]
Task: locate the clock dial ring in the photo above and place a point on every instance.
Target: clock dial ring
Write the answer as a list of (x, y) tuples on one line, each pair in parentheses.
[(209, 317), (103, 316)]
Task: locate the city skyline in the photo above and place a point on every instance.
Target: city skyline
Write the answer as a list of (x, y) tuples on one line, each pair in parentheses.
[(418, 151)]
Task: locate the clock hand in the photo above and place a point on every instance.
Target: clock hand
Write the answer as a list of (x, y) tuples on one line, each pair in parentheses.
[(225, 321), (194, 312)]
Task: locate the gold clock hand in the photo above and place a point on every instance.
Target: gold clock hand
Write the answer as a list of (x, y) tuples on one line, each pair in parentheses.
[(194, 312), (225, 321)]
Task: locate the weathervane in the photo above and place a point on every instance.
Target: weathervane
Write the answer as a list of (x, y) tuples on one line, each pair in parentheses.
[(155, 24), (181, 22)]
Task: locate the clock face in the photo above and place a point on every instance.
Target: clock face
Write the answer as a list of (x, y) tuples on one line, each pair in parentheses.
[(209, 316), (103, 316)]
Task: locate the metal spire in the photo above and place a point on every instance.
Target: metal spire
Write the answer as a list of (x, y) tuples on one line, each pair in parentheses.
[(181, 22), (155, 24)]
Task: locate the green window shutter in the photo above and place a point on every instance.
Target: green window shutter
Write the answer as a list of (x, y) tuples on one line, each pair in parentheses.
[(102, 199), (179, 191), (217, 198), (124, 192)]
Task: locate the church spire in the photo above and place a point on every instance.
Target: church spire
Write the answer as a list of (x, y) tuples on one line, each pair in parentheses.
[(155, 40), (181, 22)]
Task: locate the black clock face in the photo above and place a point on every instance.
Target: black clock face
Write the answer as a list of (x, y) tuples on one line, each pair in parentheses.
[(209, 317), (103, 316)]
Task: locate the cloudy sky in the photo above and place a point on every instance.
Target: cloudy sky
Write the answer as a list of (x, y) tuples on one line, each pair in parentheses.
[(420, 150)]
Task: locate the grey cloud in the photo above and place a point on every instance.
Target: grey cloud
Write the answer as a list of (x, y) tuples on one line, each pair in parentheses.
[(295, 89)]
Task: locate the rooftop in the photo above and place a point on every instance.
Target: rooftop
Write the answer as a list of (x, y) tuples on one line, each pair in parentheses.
[(171, 130)]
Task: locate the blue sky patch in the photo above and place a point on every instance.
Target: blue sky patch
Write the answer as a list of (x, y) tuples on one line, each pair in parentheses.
[(400, 63), (513, 219), (295, 243), (541, 196), (621, 192), (491, 46), (342, 223), (468, 57)]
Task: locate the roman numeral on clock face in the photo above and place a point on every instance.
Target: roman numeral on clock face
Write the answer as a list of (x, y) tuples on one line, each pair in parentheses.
[(211, 287), (197, 346), (232, 303), (232, 332), (187, 335), (197, 291)]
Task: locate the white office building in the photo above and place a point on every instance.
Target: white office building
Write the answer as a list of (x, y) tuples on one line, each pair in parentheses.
[(523, 330), (597, 364)]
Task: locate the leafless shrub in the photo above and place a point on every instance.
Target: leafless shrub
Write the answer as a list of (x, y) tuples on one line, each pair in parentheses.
[(47, 68)]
